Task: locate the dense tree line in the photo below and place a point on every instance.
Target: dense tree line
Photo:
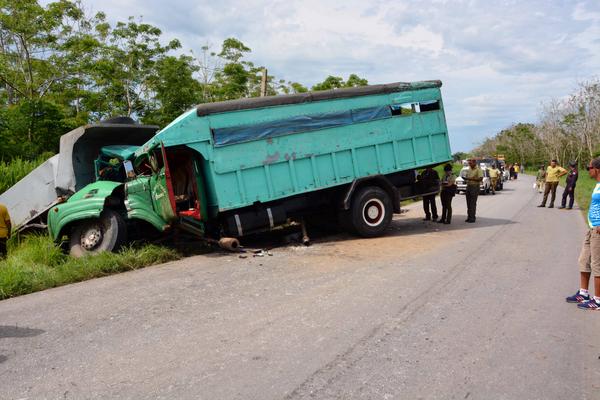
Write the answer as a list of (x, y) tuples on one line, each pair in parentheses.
[(568, 129), (61, 68)]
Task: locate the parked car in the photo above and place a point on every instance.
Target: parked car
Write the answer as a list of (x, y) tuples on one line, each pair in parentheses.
[(485, 186)]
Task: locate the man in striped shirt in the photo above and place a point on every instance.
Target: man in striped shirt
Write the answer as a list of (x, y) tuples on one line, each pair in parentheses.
[(589, 259)]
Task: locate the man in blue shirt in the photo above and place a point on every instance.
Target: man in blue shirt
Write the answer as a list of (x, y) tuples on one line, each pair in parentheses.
[(589, 259)]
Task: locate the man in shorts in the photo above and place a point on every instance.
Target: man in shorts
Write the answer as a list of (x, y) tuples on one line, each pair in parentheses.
[(589, 259)]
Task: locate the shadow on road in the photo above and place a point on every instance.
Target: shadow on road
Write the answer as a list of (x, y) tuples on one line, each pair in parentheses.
[(7, 331)]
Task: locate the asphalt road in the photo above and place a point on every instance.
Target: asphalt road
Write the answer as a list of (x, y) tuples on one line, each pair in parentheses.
[(430, 311)]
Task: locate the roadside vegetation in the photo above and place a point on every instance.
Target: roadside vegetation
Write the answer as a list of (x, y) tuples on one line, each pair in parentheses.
[(568, 130), (37, 263), (13, 171)]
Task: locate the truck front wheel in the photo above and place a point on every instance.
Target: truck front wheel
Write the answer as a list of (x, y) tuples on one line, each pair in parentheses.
[(371, 211), (91, 236)]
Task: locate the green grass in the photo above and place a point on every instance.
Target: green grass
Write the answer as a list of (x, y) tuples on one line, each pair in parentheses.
[(37, 263), (13, 171)]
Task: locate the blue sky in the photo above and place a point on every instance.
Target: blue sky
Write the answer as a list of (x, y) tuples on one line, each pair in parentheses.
[(499, 60)]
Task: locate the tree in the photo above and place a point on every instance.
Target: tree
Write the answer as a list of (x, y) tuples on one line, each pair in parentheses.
[(34, 68), (126, 64), (174, 89), (336, 82)]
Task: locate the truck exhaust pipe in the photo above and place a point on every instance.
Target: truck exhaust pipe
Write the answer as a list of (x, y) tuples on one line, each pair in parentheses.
[(230, 244)]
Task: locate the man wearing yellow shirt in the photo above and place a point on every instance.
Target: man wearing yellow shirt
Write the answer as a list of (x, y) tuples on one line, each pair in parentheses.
[(5, 228), (553, 174), (494, 175)]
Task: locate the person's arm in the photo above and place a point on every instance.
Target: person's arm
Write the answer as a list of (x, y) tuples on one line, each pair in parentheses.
[(562, 172)]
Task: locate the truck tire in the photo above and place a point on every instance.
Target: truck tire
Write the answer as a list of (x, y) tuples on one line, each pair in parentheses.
[(371, 211), (92, 236)]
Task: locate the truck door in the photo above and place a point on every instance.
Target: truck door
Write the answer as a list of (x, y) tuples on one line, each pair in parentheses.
[(163, 198)]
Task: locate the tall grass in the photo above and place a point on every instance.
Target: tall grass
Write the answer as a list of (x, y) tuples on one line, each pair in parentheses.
[(13, 171), (37, 264)]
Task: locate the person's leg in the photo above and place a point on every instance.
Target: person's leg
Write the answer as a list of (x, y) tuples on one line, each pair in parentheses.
[(426, 207), (443, 199), (475, 196), (493, 186), (434, 211), (585, 269), (469, 200), (571, 198), (2, 248), (563, 203), (594, 261), (554, 186), (449, 210), (547, 188)]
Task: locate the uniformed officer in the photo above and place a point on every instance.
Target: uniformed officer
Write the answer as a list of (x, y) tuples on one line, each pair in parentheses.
[(473, 176), (494, 175), (570, 186), (448, 192)]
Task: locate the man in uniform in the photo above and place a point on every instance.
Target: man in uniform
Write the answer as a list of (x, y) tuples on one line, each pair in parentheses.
[(540, 178), (429, 179), (5, 229), (589, 259), (473, 176), (494, 175), (553, 174), (570, 186)]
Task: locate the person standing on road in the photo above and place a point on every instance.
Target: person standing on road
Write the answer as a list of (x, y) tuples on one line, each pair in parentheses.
[(589, 258), (448, 192), (5, 229), (429, 179), (473, 176), (511, 172), (553, 174), (570, 186), (540, 178), (494, 174)]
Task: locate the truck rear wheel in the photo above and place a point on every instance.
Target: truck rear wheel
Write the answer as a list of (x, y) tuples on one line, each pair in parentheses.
[(371, 211), (92, 236)]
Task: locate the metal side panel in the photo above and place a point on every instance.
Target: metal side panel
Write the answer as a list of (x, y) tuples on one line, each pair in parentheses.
[(33, 195)]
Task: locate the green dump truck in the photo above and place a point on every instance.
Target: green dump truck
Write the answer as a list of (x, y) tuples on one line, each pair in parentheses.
[(233, 168)]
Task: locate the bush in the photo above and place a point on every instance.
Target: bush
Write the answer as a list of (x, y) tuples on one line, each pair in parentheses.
[(15, 170)]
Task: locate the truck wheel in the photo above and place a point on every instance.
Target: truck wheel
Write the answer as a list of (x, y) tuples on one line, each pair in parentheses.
[(371, 211), (92, 236)]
